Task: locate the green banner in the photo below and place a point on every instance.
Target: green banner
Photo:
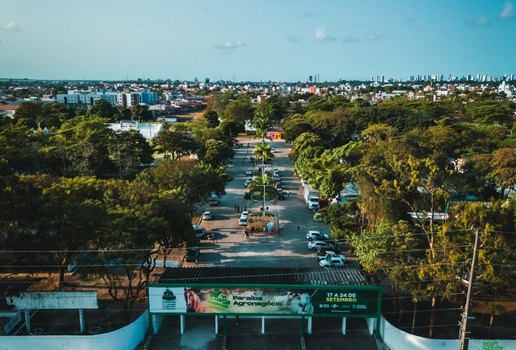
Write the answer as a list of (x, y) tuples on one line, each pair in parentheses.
[(338, 301)]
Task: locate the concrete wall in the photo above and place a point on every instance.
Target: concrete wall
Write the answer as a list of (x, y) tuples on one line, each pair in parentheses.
[(400, 340), (124, 338)]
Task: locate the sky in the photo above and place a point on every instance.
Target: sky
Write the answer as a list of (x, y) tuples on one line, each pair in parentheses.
[(244, 40)]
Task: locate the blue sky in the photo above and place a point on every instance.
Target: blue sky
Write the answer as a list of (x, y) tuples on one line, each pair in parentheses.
[(279, 40)]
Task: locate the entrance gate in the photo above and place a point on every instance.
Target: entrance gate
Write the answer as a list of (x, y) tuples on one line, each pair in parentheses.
[(265, 301)]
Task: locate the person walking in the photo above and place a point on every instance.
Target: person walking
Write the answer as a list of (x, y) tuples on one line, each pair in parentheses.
[(298, 229), (236, 211)]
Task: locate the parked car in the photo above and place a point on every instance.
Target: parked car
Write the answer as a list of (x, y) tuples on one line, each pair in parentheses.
[(199, 231), (273, 150), (329, 253), (207, 215), (276, 178), (313, 235), (247, 195), (249, 172), (245, 213), (242, 221), (280, 193), (214, 199), (192, 254), (252, 159), (248, 182), (331, 261), (318, 245)]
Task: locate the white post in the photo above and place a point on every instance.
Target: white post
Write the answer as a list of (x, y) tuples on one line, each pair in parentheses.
[(343, 325), (81, 319), (27, 320), (216, 324), (309, 327), (263, 324), (154, 325), (182, 323)]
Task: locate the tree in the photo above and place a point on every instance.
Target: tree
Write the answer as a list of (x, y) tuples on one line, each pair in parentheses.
[(295, 125), (103, 109), (231, 128), (239, 110), (261, 123), (212, 118), (141, 112), (126, 254), (79, 147), (175, 144), (263, 151), (71, 214), (215, 152), (503, 164), (129, 151)]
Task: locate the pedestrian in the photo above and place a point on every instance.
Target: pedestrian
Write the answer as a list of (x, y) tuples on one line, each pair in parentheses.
[(245, 208), (298, 229), (288, 194), (236, 211), (238, 208)]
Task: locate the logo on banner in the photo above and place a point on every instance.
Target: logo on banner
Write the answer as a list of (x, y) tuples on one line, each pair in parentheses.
[(168, 300)]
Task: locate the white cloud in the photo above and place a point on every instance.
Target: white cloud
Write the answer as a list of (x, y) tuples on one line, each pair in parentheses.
[(507, 11), (322, 36), (369, 37), (229, 45), (11, 27), (481, 22)]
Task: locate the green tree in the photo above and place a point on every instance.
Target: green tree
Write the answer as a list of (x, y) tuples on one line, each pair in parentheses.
[(103, 109), (215, 152), (239, 110), (128, 151), (212, 118), (175, 144)]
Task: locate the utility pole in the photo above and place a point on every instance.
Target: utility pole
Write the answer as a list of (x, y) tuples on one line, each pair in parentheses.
[(465, 327)]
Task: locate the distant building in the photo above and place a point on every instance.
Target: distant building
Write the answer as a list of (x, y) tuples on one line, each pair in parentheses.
[(120, 99), (147, 130)]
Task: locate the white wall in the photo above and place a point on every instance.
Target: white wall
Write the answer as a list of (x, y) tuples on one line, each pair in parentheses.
[(397, 339), (124, 338)]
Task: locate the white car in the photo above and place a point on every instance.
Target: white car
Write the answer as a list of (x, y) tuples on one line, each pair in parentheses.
[(313, 235), (248, 182), (330, 253), (245, 213), (318, 245), (331, 261), (242, 221), (207, 215), (273, 150), (249, 172)]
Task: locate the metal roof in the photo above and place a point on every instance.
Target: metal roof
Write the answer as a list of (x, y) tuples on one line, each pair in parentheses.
[(263, 275)]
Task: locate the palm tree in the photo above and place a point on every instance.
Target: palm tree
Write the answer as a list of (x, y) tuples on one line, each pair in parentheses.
[(263, 151), (262, 124)]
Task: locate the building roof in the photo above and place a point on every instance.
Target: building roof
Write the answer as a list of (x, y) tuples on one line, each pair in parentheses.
[(263, 275), (8, 107)]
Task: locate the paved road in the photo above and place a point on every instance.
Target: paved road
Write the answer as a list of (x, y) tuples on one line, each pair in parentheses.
[(262, 249), (288, 249)]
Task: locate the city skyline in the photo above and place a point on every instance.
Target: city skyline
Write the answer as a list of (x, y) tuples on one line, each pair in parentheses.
[(282, 40)]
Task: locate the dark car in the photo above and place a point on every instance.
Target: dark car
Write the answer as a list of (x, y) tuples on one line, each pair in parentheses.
[(281, 194), (247, 195), (192, 254)]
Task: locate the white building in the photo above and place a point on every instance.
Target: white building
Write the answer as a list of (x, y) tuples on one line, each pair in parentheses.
[(147, 130)]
